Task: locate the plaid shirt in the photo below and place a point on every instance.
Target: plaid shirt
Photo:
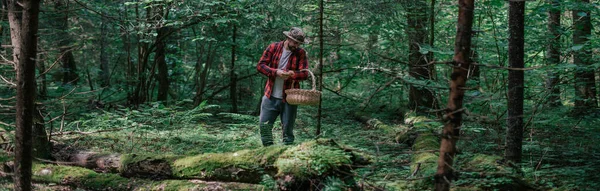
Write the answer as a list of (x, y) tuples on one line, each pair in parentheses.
[(270, 61)]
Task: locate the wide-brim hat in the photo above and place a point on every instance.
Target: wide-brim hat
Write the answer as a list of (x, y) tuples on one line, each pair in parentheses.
[(297, 35)]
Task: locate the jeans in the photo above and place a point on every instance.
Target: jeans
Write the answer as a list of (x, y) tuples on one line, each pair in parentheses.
[(270, 108)]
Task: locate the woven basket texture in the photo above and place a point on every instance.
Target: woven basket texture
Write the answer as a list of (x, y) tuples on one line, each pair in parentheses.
[(304, 97)]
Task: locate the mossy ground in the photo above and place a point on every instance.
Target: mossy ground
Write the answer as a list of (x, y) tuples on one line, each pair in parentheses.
[(551, 141)]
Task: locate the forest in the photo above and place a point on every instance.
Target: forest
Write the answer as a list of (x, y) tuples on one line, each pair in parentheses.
[(200, 95)]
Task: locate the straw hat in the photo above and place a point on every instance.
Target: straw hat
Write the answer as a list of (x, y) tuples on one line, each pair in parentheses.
[(297, 35)]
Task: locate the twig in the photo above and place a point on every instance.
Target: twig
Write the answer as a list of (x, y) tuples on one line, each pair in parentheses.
[(540, 162), (87, 133)]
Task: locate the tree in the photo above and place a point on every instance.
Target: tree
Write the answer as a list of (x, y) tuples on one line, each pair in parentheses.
[(67, 60), (421, 99), (585, 86), (233, 77), (454, 110), (161, 13), (104, 66), (514, 121), (24, 28), (553, 52), (320, 66)]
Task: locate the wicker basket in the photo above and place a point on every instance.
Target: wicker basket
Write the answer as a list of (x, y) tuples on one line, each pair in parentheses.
[(304, 97)]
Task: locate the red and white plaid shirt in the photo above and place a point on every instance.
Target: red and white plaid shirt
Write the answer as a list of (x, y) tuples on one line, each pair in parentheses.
[(270, 61)]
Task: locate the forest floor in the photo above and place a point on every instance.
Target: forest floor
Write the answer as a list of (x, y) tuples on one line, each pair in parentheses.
[(559, 153)]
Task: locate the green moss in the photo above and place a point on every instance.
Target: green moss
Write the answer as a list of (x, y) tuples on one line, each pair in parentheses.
[(427, 161), (481, 162), (312, 159), (78, 177), (426, 142), (203, 165), (128, 159)]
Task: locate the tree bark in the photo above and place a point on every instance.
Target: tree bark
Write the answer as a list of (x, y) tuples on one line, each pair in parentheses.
[(42, 148), (421, 99), (67, 60), (104, 66), (160, 13), (514, 121), (320, 67), (26, 90), (454, 110), (585, 86), (553, 52), (233, 76)]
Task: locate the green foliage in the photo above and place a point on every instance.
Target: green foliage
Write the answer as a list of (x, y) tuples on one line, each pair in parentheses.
[(311, 159)]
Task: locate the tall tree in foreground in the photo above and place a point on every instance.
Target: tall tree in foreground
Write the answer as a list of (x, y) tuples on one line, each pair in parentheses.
[(514, 122), (454, 110), (553, 52), (421, 99), (24, 27), (585, 87)]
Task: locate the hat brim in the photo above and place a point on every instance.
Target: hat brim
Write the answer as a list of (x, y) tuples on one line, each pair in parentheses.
[(287, 33)]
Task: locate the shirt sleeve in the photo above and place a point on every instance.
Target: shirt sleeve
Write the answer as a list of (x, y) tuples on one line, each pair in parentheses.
[(302, 64), (263, 64)]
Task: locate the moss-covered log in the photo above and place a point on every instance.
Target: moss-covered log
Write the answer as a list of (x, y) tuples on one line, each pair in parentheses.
[(292, 166), (88, 179), (401, 131)]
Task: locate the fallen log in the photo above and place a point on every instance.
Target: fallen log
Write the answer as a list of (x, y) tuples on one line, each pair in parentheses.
[(88, 179), (293, 167)]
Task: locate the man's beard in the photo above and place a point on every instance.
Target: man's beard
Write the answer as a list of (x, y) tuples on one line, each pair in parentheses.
[(291, 48)]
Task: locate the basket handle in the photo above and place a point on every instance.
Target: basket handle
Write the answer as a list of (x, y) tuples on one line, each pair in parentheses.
[(314, 87)]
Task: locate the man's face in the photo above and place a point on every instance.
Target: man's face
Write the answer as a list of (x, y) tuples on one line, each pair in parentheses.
[(292, 45)]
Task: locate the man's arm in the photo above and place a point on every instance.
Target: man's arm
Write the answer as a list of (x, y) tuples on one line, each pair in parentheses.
[(302, 64), (263, 63)]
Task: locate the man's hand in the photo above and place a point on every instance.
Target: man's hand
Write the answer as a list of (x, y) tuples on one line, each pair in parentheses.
[(284, 75)]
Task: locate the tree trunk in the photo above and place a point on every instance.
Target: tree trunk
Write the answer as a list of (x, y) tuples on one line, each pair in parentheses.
[(26, 90), (421, 99), (553, 53), (204, 75), (67, 60), (233, 77), (43, 88), (42, 147), (454, 110), (514, 121), (104, 66), (320, 67), (161, 63), (585, 87)]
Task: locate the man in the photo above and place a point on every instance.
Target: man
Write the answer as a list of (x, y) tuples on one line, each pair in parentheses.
[(281, 63)]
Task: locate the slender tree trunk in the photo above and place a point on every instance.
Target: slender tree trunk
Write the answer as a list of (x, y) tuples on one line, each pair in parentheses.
[(454, 110), (430, 56), (514, 122), (42, 148), (585, 86), (43, 89), (25, 107), (67, 60), (320, 67), (233, 77), (161, 63), (161, 13), (553, 52), (104, 66), (204, 74), (421, 99)]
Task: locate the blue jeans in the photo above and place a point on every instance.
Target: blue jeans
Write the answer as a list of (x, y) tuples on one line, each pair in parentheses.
[(270, 108)]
